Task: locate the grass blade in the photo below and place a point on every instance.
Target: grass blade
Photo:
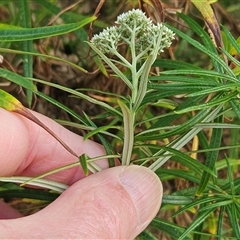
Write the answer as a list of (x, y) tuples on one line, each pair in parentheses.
[(52, 185), (182, 140), (25, 22), (233, 214), (202, 48), (230, 37), (200, 218), (29, 193), (211, 157), (171, 229), (9, 34), (146, 235)]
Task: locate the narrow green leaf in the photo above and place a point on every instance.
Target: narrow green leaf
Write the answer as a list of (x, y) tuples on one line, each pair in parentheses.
[(93, 167), (202, 48), (237, 188), (100, 65), (204, 36), (184, 174), (43, 183), (155, 96), (199, 30), (8, 102), (23, 34), (232, 59), (143, 83), (25, 22), (205, 81), (7, 50), (189, 162), (67, 17), (173, 64), (219, 203), (7, 26), (198, 220), (181, 157), (112, 65), (177, 130), (195, 204), (220, 222), (18, 79), (236, 107), (107, 146), (146, 235), (220, 125), (222, 88), (179, 88), (179, 142), (215, 142), (233, 152), (166, 120), (80, 95), (29, 193), (216, 101), (109, 96), (128, 120), (231, 39), (177, 200), (230, 177), (198, 232), (186, 191), (62, 106), (103, 130), (207, 73), (222, 163), (204, 6), (83, 161), (171, 229), (232, 211), (9, 186)]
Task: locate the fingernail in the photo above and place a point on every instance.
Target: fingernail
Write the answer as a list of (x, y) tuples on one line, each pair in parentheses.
[(145, 190)]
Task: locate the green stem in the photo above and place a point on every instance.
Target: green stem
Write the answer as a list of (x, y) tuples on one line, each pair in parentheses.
[(134, 67), (142, 89), (111, 65), (128, 140)]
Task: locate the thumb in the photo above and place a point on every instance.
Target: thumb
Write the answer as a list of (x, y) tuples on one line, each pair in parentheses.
[(117, 203)]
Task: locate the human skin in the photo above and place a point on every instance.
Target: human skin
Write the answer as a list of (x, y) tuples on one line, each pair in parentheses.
[(116, 203)]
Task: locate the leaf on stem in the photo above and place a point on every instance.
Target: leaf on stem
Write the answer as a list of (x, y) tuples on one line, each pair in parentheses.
[(83, 161), (25, 21), (211, 157), (12, 34), (9, 102), (128, 120)]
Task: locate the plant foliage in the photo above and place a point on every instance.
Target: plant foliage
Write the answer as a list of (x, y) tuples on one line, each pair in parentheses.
[(178, 115)]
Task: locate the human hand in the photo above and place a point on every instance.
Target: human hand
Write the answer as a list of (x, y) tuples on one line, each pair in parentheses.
[(116, 203)]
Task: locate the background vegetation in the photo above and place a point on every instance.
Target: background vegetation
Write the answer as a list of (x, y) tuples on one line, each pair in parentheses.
[(187, 128)]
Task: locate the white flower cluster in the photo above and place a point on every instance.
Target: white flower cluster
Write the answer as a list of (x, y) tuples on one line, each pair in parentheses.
[(136, 30)]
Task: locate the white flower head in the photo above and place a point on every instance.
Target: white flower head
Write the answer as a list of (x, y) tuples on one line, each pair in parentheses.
[(135, 29), (106, 40), (133, 21)]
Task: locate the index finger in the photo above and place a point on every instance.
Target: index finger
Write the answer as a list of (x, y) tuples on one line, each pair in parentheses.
[(27, 149)]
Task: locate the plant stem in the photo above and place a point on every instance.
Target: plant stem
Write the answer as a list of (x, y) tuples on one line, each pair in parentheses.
[(134, 67), (128, 123)]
